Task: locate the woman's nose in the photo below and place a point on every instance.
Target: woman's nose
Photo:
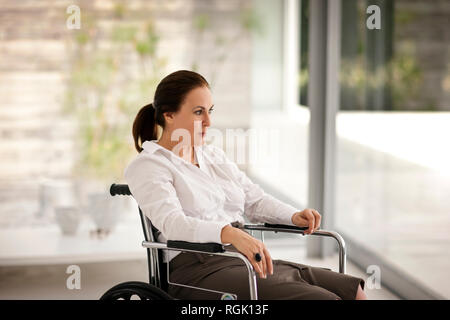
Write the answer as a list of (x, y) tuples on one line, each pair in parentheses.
[(206, 120)]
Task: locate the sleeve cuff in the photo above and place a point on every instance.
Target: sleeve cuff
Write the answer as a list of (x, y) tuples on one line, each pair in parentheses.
[(285, 214), (210, 231)]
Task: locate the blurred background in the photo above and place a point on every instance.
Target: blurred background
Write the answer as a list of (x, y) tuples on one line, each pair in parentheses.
[(351, 121)]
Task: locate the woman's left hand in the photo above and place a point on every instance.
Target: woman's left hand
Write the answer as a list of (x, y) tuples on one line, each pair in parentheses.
[(310, 218)]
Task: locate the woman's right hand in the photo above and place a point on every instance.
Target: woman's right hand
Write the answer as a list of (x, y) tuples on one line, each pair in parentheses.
[(249, 246)]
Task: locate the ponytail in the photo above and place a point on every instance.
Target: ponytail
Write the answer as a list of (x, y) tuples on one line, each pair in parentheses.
[(144, 126)]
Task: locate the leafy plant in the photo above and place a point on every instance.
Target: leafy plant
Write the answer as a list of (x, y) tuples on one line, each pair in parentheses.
[(103, 92)]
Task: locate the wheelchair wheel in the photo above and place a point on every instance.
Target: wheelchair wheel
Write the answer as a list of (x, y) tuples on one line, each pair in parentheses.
[(134, 290)]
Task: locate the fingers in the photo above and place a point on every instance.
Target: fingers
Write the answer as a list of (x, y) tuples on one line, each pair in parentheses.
[(313, 220), (266, 263), (269, 261), (318, 219), (256, 265), (309, 216), (249, 246), (265, 266)]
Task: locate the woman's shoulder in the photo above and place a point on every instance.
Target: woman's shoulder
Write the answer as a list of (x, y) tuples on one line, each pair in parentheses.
[(146, 163)]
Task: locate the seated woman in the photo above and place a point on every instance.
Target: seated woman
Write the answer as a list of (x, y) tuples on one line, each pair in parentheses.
[(191, 191)]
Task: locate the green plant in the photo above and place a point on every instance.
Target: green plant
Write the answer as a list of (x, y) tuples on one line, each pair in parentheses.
[(402, 74), (103, 94)]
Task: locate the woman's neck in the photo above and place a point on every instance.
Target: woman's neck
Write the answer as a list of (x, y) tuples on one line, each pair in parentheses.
[(182, 152)]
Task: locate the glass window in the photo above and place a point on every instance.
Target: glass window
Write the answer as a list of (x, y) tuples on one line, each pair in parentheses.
[(393, 177), (281, 127)]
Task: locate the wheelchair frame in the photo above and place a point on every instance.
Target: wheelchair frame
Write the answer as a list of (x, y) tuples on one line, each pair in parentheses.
[(155, 248)]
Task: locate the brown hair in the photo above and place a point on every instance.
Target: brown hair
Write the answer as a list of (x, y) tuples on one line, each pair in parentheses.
[(169, 96)]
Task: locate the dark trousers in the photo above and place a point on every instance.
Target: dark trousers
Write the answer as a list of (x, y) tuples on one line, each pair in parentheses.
[(290, 281)]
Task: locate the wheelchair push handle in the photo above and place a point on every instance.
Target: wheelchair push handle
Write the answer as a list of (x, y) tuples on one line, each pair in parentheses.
[(119, 189)]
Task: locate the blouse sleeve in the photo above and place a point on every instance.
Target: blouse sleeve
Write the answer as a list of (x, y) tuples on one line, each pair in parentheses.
[(259, 206), (155, 194)]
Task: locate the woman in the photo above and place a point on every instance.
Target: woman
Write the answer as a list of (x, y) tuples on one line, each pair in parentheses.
[(191, 191)]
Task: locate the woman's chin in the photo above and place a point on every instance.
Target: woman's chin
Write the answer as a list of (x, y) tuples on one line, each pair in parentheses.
[(199, 142)]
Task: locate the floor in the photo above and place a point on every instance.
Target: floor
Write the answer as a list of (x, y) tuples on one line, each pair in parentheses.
[(49, 282), (284, 250)]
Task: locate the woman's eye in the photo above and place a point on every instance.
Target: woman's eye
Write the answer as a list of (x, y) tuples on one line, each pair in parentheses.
[(199, 112)]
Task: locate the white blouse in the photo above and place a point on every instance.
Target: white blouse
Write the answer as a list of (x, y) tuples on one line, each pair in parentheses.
[(191, 203)]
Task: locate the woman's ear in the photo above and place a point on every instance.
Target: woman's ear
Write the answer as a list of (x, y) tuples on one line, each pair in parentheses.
[(169, 117)]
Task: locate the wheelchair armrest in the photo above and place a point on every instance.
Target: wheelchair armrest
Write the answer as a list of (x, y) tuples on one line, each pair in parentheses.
[(204, 247), (271, 227), (284, 226), (295, 229)]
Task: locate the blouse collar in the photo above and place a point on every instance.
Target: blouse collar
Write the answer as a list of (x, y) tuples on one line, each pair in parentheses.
[(151, 146)]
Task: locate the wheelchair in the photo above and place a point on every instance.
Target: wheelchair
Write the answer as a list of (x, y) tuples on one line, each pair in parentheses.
[(159, 279)]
